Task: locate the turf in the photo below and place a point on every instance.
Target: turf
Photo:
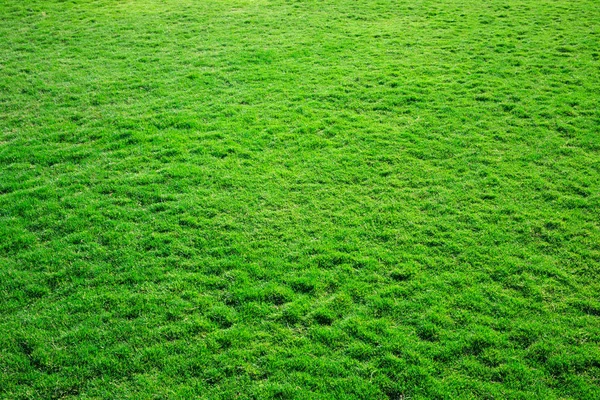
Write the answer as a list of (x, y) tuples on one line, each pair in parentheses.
[(300, 199)]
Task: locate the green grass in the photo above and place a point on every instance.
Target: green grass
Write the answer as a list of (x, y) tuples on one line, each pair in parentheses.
[(300, 199)]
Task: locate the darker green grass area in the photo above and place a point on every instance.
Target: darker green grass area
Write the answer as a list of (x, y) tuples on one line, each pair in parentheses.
[(300, 199)]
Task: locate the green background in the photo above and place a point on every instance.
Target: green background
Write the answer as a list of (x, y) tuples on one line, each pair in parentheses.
[(300, 199)]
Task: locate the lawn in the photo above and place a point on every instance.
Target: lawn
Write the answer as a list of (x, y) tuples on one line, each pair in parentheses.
[(300, 199)]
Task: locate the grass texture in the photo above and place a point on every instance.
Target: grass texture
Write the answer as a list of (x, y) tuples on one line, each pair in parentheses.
[(300, 199)]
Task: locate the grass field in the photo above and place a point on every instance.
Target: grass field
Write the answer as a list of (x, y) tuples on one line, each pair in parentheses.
[(300, 199)]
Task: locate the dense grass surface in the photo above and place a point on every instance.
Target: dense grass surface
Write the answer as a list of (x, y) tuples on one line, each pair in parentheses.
[(300, 199)]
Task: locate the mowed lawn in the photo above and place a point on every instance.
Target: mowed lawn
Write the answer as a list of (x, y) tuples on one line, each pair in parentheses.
[(302, 199)]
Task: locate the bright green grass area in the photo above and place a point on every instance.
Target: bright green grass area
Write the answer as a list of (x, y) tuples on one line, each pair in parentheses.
[(300, 199)]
